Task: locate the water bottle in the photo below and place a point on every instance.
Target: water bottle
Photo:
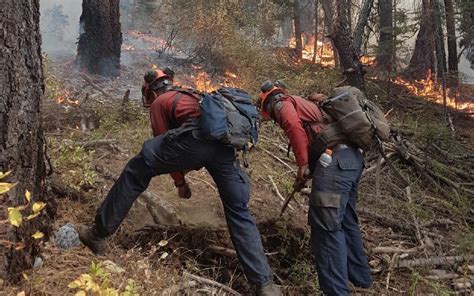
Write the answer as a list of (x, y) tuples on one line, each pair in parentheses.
[(326, 158)]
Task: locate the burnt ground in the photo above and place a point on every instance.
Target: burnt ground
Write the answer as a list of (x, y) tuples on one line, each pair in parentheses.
[(195, 241)]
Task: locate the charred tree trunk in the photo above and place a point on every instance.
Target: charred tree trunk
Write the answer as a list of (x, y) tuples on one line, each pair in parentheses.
[(385, 49), (452, 48), (22, 145), (98, 49), (423, 59), (341, 36), (297, 23), (362, 21)]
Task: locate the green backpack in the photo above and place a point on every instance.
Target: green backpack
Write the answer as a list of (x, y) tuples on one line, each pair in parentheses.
[(354, 120)]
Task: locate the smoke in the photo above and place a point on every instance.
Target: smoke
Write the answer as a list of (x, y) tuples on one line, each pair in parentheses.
[(59, 24)]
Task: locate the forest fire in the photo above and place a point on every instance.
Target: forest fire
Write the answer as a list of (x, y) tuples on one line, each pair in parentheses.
[(324, 51), (429, 89), (203, 82)]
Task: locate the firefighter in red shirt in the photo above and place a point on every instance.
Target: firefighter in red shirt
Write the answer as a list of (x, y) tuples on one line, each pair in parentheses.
[(335, 234), (177, 148)]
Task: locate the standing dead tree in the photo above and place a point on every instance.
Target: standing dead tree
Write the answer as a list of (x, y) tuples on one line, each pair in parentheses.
[(297, 23), (22, 144), (100, 41), (362, 21), (452, 48)]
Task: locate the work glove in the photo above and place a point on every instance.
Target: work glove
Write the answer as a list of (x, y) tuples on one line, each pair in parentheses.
[(301, 177), (184, 191)]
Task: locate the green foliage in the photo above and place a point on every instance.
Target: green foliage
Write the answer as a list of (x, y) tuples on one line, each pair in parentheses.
[(97, 281), (466, 243), (75, 162)]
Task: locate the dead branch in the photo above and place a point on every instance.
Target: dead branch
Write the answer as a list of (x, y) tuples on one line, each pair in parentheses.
[(277, 192), (435, 261), (211, 283), (203, 181), (103, 142), (223, 251), (394, 250), (278, 159), (95, 86)]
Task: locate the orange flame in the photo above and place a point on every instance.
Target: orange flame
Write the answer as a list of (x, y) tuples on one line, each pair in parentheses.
[(324, 51), (64, 98), (203, 83), (429, 89)]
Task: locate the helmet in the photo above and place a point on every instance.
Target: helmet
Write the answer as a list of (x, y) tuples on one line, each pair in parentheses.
[(268, 89), (156, 82)]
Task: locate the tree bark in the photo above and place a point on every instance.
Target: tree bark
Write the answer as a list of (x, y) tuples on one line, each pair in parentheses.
[(297, 23), (439, 40), (341, 36), (423, 59), (385, 48), (362, 21), (98, 49), (22, 145), (452, 48)]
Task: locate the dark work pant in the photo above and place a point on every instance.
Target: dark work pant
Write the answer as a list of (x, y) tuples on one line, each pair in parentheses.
[(335, 234), (159, 156)]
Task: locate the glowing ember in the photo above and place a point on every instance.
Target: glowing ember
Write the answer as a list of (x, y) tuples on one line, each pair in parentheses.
[(429, 89), (367, 60)]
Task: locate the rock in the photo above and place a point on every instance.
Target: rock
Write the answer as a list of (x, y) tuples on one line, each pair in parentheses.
[(67, 237), (471, 268), (38, 262)]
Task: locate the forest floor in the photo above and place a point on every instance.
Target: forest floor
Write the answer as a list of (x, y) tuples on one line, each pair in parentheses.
[(92, 133)]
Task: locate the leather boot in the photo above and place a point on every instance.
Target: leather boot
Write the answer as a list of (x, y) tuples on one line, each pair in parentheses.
[(269, 289), (90, 238)]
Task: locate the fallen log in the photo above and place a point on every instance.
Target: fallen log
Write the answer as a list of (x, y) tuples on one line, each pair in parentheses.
[(435, 261), (387, 221)]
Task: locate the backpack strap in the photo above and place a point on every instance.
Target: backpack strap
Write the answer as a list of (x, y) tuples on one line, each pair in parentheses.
[(179, 93)]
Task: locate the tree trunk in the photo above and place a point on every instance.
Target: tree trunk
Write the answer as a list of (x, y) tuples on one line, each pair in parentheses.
[(362, 21), (452, 48), (329, 25), (22, 145), (297, 22), (422, 60), (98, 49), (439, 40), (316, 23), (348, 57), (385, 48)]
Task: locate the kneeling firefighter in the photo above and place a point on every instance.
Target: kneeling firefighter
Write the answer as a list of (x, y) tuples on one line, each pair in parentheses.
[(335, 234), (174, 152)]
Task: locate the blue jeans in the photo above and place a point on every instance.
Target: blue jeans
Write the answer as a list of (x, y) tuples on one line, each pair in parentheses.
[(160, 156), (335, 234)]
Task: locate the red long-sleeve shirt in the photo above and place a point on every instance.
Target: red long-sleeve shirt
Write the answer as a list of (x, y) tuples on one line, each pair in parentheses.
[(291, 112), (163, 119)]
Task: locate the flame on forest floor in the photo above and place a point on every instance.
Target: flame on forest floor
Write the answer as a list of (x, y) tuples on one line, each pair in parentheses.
[(324, 51), (428, 88), (203, 82), (64, 98)]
